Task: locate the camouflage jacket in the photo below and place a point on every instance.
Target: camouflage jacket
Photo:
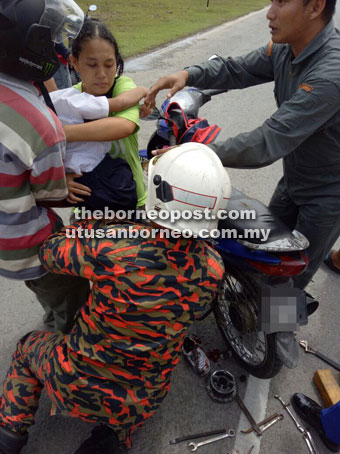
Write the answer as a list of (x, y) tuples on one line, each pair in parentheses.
[(115, 365)]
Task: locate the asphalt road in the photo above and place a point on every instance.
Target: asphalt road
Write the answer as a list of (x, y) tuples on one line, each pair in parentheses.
[(188, 409)]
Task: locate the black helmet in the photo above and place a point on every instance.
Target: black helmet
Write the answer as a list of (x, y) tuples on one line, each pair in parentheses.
[(28, 30)]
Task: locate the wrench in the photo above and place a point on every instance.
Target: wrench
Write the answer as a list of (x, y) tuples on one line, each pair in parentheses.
[(308, 349), (271, 423), (195, 446), (310, 442), (198, 435), (266, 423), (306, 435), (247, 413)]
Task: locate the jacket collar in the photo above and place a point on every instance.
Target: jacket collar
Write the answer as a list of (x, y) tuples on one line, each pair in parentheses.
[(14, 82), (317, 42)]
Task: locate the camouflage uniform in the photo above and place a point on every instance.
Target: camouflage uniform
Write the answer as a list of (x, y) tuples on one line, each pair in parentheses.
[(115, 365)]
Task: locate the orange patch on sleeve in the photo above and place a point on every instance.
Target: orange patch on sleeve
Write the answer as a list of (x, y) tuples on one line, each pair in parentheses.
[(270, 48), (306, 87)]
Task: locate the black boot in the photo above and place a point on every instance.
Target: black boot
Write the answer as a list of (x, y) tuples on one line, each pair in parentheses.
[(310, 412), (103, 440), (11, 442)]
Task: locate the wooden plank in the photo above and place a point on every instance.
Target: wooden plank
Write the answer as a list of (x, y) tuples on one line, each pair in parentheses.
[(327, 386)]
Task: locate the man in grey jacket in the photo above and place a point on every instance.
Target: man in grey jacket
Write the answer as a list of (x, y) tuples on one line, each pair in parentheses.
[(303, 59)]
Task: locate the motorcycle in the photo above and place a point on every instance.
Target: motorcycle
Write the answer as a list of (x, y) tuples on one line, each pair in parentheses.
[(255, 268)]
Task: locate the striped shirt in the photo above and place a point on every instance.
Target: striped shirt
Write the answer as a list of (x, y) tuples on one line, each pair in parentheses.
[(32, 147)]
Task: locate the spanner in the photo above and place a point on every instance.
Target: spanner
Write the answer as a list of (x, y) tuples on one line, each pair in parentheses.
[(308, 349), (306, 435), (266, 423), (195, 446), (247, 413)]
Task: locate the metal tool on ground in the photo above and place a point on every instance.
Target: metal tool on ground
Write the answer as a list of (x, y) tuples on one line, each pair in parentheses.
[(248, 415), (194, 446), (306, 435), (266, 423), (304, 344), (222, 388), (198, 435)]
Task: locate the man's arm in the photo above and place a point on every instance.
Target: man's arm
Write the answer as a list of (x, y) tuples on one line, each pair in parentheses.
[(233, 73), (230, 73), (175, 82), (72, 251), (47, 175), (62, 255), (294, 122)]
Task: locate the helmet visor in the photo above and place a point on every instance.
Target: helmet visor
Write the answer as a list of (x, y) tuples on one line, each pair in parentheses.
[(63, 17)]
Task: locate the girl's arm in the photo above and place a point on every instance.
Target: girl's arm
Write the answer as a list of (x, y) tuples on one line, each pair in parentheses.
[(127, 99), (51, 85), (103, 130)]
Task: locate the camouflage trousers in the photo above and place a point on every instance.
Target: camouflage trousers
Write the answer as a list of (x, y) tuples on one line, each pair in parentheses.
[(25, 380), (39, 363)]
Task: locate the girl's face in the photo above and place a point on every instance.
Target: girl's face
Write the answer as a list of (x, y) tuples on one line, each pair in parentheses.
[(96, 65)]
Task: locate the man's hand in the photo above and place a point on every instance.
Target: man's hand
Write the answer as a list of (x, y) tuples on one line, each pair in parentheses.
[(161, 151), (175, 82), (76, 188), (144, 111)]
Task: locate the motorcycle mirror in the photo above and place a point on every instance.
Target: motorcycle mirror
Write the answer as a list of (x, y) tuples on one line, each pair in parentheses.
[(92, 8)]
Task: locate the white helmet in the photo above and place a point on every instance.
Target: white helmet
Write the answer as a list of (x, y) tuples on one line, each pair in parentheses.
[(184, 185)]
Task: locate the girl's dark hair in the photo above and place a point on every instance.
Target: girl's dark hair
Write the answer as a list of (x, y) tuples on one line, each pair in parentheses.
[(93, 28)]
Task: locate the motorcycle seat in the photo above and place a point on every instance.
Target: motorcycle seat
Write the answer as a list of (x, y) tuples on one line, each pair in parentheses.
[(265, 219)]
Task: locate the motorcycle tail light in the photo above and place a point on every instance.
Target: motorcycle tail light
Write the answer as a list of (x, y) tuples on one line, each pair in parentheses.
[(288, 266)]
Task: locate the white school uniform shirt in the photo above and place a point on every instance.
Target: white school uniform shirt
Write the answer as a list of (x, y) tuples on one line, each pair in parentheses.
[(74, 107)]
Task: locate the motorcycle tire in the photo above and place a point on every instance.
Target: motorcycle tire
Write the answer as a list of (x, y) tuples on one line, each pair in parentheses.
[(236, 311), (156, 142)]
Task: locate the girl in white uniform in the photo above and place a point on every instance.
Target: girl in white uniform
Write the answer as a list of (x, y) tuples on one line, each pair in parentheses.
[(106, 181)]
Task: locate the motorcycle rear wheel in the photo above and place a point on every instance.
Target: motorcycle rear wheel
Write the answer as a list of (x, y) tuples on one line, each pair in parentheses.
[(236, 312)]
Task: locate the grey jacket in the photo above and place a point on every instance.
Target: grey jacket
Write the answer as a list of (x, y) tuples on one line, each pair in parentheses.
[(305, 130)]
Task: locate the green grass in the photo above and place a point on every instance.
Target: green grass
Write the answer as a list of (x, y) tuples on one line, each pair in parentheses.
[(143, 25)]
